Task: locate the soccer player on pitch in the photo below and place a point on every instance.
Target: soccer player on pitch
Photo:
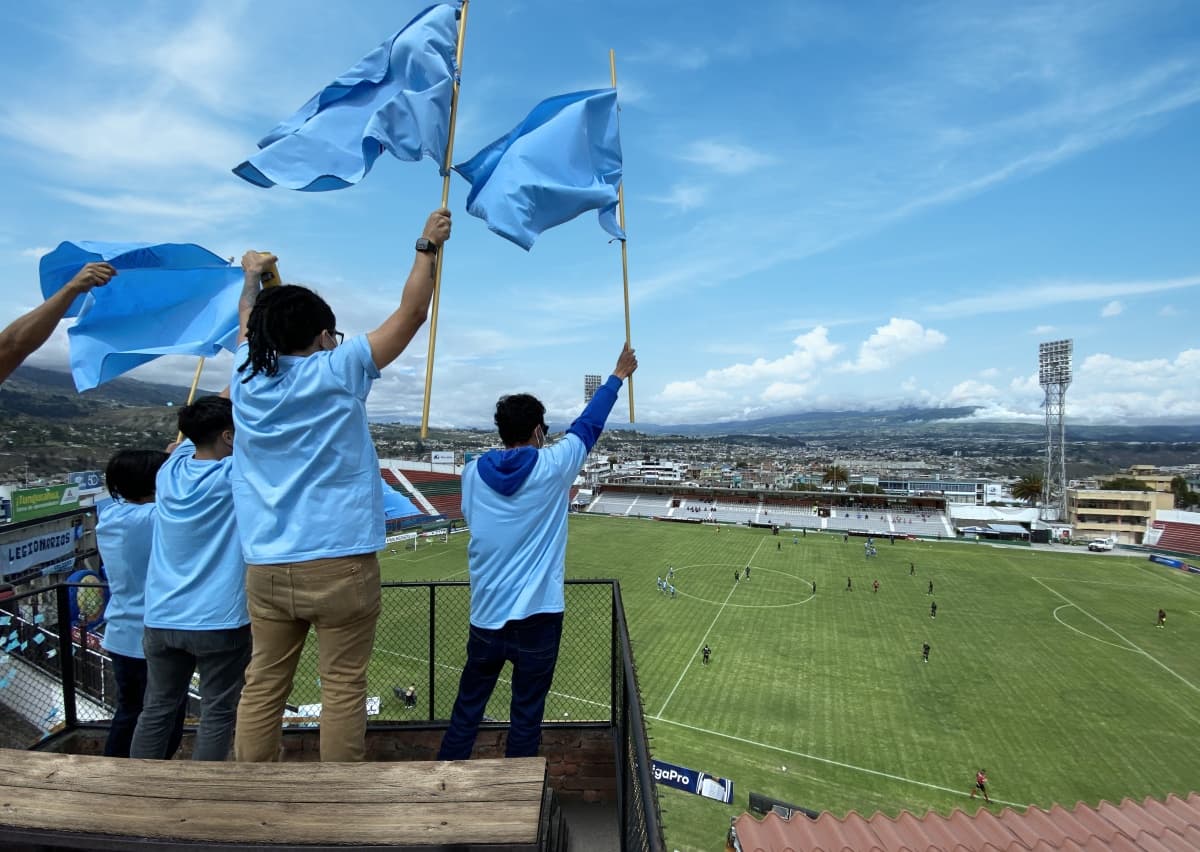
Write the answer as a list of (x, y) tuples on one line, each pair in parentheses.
[(981, 785)]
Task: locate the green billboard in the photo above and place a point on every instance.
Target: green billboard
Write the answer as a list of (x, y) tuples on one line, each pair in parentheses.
[(48, 500)]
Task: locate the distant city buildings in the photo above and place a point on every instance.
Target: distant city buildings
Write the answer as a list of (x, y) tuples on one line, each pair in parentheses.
[(591, 384)]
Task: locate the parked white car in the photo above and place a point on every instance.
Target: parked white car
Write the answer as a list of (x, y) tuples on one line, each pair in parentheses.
[(1100, 545)]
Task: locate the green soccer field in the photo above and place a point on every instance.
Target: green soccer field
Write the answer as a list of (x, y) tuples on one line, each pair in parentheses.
[(1045, 668)]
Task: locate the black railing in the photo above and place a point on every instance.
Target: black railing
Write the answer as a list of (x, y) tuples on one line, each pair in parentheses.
[(64, 679)]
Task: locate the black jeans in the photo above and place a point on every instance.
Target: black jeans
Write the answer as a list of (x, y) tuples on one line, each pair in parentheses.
[(220, 656), (531, 644), (130, 676)]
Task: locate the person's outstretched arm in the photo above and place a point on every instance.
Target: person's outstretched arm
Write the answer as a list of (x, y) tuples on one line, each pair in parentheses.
[(27, 333), (398, 330), (254, 264), (590, 423)]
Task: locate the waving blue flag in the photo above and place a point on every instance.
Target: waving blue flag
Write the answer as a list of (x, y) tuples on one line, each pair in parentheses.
[(167, 299), (397, 98), (562, 160)]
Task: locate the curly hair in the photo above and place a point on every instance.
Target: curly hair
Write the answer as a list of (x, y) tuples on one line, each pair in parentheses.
[(284, 319), (517, 416)]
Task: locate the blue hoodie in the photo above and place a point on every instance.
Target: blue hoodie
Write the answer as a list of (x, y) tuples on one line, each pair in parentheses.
[(515, 502)]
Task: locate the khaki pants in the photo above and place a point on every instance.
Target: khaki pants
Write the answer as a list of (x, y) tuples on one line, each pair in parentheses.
[(340, 599)]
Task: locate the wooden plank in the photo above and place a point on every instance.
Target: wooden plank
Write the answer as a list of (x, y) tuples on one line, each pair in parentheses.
[(395, 783), (490, 803), (249, 821)]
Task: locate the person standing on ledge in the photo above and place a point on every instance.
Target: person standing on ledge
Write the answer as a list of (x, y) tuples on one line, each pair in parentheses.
[(515, 502)]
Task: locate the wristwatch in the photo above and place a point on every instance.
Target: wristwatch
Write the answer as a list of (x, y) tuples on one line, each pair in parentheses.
[(427, 245)]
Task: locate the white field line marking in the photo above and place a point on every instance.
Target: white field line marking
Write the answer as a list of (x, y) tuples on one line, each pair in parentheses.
[(1088, 635), (1152, 659), (829, 761), (1073, 581), (704, 639), (1164, 572), (498, 680)]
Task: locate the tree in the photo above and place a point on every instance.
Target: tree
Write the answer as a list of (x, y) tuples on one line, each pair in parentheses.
[(835, 475), (1028, 488), (1124, 483), (1185, 497)]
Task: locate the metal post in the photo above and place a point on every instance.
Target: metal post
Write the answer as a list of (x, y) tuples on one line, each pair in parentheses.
[(432, 634), (66, 654)]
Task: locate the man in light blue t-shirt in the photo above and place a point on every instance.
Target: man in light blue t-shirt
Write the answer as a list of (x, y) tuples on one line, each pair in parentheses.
[(309, 498), (196, 618), (515, 502)]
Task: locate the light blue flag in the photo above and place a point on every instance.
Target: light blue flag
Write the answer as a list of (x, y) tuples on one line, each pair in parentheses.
[(397, 98), (562, 160), (396, 505), (167, 299)]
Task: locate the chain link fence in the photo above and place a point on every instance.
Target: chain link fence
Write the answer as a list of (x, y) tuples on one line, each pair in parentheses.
[(53, 674)]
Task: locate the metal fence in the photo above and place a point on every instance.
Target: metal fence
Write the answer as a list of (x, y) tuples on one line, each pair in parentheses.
[(54, 676)]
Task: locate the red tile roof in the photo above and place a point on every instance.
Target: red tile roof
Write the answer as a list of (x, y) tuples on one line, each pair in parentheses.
[(1173, 824)]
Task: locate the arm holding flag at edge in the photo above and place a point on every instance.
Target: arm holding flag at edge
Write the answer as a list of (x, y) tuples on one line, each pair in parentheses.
[(26, 334), (254, 264), (395, 333)]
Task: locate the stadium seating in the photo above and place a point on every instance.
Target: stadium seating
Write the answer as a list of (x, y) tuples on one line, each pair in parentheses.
[(785, 513), (1180, 538), (442, 490)]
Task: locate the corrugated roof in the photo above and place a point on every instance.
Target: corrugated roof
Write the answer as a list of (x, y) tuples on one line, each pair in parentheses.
[(1167, 826)]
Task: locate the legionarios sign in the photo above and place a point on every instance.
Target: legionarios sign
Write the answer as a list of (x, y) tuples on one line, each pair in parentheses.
[(16, 556), (37, 502)]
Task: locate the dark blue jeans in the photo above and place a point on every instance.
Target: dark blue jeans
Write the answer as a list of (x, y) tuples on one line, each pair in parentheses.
[(130, 676), (220, 657), (531, 645)]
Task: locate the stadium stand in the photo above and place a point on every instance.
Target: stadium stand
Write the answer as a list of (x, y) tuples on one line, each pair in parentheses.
[(442, 490), (1177, 537), (767, 508)]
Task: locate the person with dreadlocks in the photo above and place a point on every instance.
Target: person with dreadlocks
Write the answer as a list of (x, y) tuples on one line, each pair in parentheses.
[(308, 496)]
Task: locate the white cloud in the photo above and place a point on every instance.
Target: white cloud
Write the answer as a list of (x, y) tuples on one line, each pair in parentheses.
[(1022, 298), (1183, 372), (971, 392), (1168, 311), (37, 252), (989, 373), (725, 158), (683, 197), (889, 344), (1043, 329), (1112, 309), (785, 392)]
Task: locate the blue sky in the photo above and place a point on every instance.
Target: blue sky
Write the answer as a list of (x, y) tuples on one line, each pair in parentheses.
[(830, 205)]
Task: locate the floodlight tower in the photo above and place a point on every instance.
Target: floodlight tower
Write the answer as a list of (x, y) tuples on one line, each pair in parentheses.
[(1054, 375)]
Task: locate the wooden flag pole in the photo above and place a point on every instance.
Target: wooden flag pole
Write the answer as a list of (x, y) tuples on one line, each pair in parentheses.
[(612, 67), (192, 392), (437, 267), (270, 279)]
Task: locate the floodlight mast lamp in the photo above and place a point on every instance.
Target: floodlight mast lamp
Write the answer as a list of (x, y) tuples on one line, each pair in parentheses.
[(1054, 375)]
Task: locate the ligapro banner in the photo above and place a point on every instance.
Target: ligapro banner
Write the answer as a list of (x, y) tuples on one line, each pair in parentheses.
[(49, 500), (16, 556), (693, 781)]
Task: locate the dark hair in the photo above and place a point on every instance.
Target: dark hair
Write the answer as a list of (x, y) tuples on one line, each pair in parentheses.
[(130, 473), (517, 416), (204, 420), (284, 319)]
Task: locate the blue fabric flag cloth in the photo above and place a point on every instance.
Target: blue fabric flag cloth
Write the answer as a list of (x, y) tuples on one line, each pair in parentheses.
[(396, 505), (562, 160), (167, 299), (397, 98)]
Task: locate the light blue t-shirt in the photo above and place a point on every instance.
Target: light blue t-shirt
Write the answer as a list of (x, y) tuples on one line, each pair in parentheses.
[(518, 546), (306, 481), (197, 578), (123, 535)]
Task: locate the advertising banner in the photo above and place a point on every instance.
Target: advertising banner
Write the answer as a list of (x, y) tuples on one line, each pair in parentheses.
[(442, 457), (89, 481), (30, 503), (693, 781), (16, 556)]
